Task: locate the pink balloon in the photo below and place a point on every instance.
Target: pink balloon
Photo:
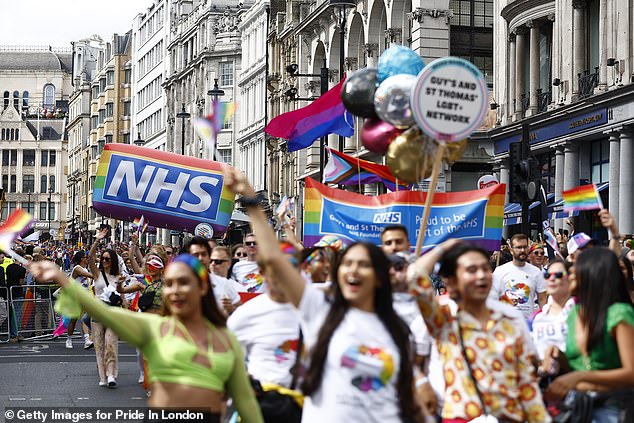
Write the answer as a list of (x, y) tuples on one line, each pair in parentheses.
[(377, 135)]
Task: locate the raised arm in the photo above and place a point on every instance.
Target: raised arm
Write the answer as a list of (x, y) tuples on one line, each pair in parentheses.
[(288, 278), (134, 328), (289, 231), (609, 223), (92, 254), (135, 254)]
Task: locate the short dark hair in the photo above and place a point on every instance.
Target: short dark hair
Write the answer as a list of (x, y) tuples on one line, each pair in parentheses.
[(78, 256), (449, 261), (518, 237), (197, 240), (395, 227)]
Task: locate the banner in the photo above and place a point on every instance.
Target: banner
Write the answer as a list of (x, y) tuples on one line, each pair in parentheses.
[(170, 190), (475, 216)]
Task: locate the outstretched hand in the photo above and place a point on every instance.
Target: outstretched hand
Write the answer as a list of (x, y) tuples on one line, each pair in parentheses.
[(46, 270), (237, 181), (102, 233)]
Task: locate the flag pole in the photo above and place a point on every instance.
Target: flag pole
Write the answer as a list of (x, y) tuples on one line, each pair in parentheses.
[(430, 196)]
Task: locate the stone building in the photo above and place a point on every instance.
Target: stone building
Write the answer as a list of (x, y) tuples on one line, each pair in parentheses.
[(35, 83)]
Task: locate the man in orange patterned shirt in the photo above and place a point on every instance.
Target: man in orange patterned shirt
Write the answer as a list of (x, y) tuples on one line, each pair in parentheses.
[(497, 380)]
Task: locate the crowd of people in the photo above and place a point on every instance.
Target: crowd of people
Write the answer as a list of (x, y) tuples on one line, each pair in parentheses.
[(340, 331)]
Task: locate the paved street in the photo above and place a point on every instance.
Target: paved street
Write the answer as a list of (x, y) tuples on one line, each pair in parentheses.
[(46, 374)]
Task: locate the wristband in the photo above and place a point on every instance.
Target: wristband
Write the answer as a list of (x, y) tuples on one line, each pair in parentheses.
[(252, 201), (421, 381)]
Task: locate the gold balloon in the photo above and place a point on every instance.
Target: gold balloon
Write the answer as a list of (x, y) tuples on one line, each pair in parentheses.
[(454, 151), (410, 156)]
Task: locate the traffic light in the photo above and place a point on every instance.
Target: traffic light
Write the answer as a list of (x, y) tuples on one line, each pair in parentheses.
[(524, 175)]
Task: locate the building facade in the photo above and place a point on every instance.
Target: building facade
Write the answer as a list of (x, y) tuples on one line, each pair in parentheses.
[(36, 84), (565, 70)]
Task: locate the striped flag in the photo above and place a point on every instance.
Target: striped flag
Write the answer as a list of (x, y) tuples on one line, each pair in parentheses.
[(583, 197), (208, 127), (16, 224)]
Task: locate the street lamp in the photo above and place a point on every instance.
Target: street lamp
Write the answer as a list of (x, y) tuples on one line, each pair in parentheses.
[(216, 92), (341, 7), (139, 141), (50, 191), (183, 115)]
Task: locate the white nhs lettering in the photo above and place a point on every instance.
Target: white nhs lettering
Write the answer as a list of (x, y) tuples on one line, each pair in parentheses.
[(136, 191), (388, 217)]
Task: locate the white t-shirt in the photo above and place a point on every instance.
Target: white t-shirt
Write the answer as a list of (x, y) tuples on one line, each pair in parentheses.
[(103, 290), (361, 369), (422, 339), (247, 274), (550, 329), (268, 332), (518, 286), (405, 306), (224, 288)]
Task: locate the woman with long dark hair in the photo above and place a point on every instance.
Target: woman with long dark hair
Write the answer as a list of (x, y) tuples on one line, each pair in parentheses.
[(600, 336), (192, 358), (361, 361)]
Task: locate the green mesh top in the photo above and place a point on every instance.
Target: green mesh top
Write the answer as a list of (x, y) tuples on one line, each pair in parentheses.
[(606, 355)]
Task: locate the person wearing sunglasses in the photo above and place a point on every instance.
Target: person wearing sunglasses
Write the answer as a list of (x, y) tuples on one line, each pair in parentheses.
[(107, 276), (549, 324), (537, 256), (239, 252), (246, 272)]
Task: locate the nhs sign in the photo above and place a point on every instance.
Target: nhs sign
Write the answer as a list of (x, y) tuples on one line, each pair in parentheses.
[(170, 190)]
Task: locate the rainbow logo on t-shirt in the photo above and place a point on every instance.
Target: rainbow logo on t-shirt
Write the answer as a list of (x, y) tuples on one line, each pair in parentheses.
[(376, 365), (516, 293), (283, 350), (253, 282)]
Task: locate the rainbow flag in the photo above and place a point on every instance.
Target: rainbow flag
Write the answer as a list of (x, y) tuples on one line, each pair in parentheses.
[(301, 127), (16, 224), (583, 197), (208, 127), (476, 216), (141, 224), (347, 170)]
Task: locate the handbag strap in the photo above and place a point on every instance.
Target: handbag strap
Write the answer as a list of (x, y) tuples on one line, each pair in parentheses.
[(466, 359), (298, 358), (105, 278)]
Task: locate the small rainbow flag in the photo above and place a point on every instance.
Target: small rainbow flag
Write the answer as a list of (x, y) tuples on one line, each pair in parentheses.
[(16, 224), (208, 127), (583, 197), (141, 224)]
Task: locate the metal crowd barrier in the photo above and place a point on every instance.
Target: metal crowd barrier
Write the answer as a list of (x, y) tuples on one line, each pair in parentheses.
[(4, 315), (32, 307)]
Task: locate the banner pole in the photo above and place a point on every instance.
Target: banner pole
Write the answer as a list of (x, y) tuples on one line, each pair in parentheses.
[(430, 197)]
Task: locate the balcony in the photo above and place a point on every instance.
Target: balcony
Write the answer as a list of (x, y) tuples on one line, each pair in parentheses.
[(587, 83)]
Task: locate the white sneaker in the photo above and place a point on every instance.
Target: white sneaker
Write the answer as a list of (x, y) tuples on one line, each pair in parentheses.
[(103, 383), (112, 382), (88, 344), (141, 378), (69, 343)]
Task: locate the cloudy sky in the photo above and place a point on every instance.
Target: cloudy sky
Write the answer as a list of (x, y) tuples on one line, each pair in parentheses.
[(58, 22)]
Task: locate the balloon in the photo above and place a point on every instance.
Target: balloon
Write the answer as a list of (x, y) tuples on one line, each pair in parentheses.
[(391, 100), (454, 151), (376, 135), (398, 60), (357, 93), (410, 156)]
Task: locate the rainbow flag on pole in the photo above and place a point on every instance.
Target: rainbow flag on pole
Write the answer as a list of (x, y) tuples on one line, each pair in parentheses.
[(16, 224), (583, 197), (208, 127)]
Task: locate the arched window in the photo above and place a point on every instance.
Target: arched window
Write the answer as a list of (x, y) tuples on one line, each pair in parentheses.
[(43, 186), (25, 99), (5, 102), (11, 137), (16, 100), (49, 96), (2, 136), (17, 134), (51, 183)]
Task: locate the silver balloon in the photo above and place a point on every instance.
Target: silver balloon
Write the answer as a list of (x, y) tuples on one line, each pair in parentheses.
[(391, 100)]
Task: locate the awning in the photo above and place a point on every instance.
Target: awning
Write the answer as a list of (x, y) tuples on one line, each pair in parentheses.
[(238, 216), (556, 210), (513, 211)]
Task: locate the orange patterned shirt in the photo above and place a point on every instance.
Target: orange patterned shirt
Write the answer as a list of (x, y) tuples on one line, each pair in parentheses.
[(498, 356)]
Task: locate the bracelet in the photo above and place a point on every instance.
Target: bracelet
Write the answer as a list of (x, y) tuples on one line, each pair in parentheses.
[(252, 201), (421, 381)]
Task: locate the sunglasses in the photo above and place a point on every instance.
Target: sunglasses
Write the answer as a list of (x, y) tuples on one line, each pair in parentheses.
[(250, 243), (105, 259), (538, 253), (168, 252), (557, 275), (241, 254), (218, 261)]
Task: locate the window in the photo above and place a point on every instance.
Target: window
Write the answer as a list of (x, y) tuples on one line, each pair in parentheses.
[(125, 138), (95, 91), (28, 157), (600, 160), (43, 211), (225, 155), (12, 206), (127, 76), (226, 73), (25, 100), (14, 157), (461, 11), (51, 158), (28, 183), (51, 211), (44, 160), (95, 122), (16, 100), (102, 115), (2, 134), (5, 157), (5, 101), (102, 85), (5, 182), (29, 207), (126, 108), (51, 183), (14, 183), (108, 139), (49, 96), (109, 109), (110, 78), (100, 145), (43, 184)]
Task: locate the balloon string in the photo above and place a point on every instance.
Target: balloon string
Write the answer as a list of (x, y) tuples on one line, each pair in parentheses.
[(356, 123)]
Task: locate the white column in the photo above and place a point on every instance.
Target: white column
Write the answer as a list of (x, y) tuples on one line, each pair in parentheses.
[(534, 68), (615, 150), (511, 102), (603, 46), (571, 166), (626, 183), (520, 50), (504, 178), (579, 44), (559, 180)]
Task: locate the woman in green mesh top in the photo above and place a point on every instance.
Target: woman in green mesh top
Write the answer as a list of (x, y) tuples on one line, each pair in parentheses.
[(599, 336), (192, 358)]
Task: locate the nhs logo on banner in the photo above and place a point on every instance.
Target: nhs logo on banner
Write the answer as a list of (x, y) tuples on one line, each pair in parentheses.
[(170, 190), (163, 187), (389, 217)]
